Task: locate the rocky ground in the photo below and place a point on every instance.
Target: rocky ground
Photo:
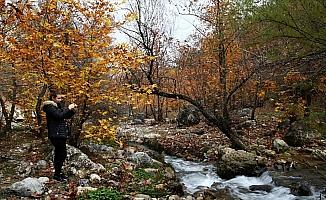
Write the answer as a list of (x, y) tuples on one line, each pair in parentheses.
[(137, 170), (26, 170)]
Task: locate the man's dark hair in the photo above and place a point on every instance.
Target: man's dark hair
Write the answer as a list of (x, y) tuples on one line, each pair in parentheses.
[(53, 94)]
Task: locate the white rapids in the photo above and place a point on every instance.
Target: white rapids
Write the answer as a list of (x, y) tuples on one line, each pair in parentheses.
[(196, 175)]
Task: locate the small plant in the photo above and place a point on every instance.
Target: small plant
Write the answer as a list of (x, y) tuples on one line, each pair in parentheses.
[(149, 180), (101, 194), (141, 174)]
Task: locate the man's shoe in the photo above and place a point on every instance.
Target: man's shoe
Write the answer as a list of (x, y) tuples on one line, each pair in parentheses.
[(63, 176), (59, 178)]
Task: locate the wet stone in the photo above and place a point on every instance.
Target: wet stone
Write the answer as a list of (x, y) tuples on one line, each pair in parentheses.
[(266, 188), (302, 189)]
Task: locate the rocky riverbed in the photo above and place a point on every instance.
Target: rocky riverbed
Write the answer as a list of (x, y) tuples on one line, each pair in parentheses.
[(139, 169), (295, 171)]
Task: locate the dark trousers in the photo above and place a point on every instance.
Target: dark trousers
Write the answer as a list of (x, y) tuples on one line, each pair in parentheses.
[(60, 153)]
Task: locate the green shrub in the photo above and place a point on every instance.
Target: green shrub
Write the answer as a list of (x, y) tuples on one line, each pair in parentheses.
[(101, 194)]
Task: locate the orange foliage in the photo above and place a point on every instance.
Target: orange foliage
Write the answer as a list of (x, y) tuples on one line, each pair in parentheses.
[(65, 44)]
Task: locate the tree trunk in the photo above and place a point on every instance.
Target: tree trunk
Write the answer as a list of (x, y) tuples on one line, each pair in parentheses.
[(233, 137), (9, 117), (76, 124), (219, 121), (76, 127), (41, 127)]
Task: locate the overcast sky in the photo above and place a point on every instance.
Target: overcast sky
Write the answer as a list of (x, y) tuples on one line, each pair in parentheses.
[(183, 24)]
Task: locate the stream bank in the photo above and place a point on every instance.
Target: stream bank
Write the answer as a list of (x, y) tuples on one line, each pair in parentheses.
[(290, 174)]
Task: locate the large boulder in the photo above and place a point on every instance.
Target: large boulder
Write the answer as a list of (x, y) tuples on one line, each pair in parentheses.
[(79, 160), (300, 134), (29, 187), (279, 145), (301, 189), (188, 116), (94, 149), (233, 163), (141, 158)]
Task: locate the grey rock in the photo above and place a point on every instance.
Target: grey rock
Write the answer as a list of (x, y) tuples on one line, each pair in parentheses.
[(233, 163), (142, 197), (280, 146), (141, 158), (120, 153), (94, 178), (113, 183), (28, 186), (44, 179), (189, 198), (302, 189), (169, 173), (300, 134), (83, 182), (73, 170), (188, 116), (214, 194), (174, 197), (99, 148), (285, 181), (246, 124), (245, 112), (79, 160), (41, 164), (24, 169)]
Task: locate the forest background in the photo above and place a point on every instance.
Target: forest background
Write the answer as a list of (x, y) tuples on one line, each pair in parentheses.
[(242, 55)]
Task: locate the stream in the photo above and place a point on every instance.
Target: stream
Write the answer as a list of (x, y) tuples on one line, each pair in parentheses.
[(196, 175)]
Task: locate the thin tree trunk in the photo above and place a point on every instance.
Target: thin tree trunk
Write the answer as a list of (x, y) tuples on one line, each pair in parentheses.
[(4, 114), (41, 127), (76, 124)]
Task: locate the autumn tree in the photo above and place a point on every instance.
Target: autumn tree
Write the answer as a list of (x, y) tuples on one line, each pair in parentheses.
[(67, 45), (150, 31), (11, 82), (294, 30), (221, 62)]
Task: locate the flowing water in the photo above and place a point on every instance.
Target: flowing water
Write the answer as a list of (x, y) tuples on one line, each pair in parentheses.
[(195, 175)]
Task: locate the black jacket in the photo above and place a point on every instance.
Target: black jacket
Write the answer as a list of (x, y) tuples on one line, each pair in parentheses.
[(55, 117)]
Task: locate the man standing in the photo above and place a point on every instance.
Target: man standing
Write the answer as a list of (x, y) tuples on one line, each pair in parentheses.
[(58, 131)]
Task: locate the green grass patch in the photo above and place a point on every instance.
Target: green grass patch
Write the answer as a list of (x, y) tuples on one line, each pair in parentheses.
[(153, 178), (102, 194), (141, 174)]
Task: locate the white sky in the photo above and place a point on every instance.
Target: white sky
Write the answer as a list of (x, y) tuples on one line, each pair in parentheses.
[(182, 28)]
